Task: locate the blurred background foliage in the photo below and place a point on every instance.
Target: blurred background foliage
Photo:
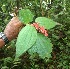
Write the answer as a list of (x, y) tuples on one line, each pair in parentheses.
[(59, 11)]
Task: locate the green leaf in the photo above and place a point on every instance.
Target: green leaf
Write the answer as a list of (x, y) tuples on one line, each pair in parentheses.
[(3, 8), (25, 16), (47, 23), (43, 47), (0, 30), (26, 38)]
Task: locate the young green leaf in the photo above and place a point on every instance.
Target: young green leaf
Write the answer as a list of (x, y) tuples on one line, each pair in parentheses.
[(46, 22), (25, 16), (26, 38), (43, 47)]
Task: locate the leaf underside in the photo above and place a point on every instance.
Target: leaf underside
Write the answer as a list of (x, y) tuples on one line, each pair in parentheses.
[(26, 38), (43, 47), (25, 16), (46, 22)]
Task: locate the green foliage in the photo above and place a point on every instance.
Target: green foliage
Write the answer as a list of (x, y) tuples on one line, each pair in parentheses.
[(26, 38), (25, 16), (43, 47), (59, 11), (46, 22), (5, 67), (8, 61)]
